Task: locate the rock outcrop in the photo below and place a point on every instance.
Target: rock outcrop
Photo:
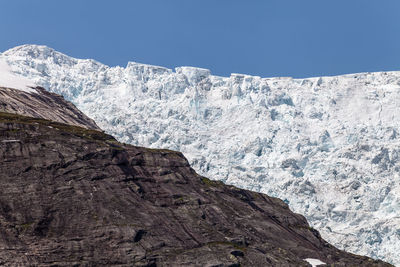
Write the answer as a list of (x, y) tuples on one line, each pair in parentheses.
[(43, 104), (72, 196)]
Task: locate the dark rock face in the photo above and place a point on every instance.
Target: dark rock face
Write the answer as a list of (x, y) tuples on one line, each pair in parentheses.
[(70, 196), (43, 105)]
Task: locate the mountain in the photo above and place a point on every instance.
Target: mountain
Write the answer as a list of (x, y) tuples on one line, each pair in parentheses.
[(328, 146), (74, 196)]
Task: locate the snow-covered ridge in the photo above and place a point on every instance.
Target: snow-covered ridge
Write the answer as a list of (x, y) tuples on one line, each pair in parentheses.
[(329, 146)]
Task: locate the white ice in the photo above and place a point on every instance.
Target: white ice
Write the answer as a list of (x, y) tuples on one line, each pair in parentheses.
[(314, 262)]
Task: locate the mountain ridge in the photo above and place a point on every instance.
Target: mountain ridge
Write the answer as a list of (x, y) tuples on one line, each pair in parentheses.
[(48, 51), (326, 145)]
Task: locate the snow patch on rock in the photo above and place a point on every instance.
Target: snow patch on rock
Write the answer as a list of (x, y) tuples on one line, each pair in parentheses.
[(314, 262)]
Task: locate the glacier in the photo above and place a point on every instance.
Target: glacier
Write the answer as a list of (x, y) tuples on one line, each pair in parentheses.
[(327, 146)]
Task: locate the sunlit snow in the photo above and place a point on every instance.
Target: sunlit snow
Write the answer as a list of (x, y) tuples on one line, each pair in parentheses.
[(314, 262), (10, 80)]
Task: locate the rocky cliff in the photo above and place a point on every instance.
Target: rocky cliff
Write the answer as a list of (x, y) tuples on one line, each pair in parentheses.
[(72, 196)]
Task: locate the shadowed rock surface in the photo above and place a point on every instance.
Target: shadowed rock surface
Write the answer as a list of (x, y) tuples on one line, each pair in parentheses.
[(45, 105), (71, 196)]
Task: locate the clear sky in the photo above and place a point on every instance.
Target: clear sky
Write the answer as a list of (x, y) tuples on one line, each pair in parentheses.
[(259, 37)]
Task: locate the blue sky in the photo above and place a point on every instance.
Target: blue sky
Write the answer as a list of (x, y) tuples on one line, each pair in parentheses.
[(260, 37)]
